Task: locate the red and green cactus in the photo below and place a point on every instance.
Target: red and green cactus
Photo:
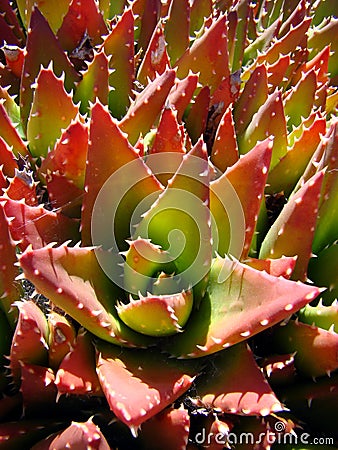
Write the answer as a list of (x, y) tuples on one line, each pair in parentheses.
[(168, 211)]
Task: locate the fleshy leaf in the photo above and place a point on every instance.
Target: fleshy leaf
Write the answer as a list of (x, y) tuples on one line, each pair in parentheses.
[(160, 315), (45, 124), (169, 135), (60, 339), (316, 348), (78, 435), (181, 94), (319, 63), (242, 9), (262, 42), (147, 105), (7, 159), (139, 384), (83, 17), (9, 133), (156, 58), (199, 10), (292, 232), (279, 369), (64, 196), (269, 120), (176, 29), (325, 317), (254, 95), (109, 151), (277, 72), (247, 393), (226, 93), (119, 45), (94, 83), (326, 227), (3, 181), (76, 374), (73, 280), (207, 56), (37, 388), (37, 226), (239, 303), (170, 426), (321, 37), (286, 45), (323, 272), (41, 55), (147, 14), (281, 267), (68, 157), (14, 56), (52, 11), (197, 117), (235, 201), (12, 22), (184, 232), (143, 261), (286, 173), (22, 187), (224, 151), (30, 338), (299, 103), (9, 291)]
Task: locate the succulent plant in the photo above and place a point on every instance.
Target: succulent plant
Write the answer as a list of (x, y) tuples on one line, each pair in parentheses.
[(168, 211)]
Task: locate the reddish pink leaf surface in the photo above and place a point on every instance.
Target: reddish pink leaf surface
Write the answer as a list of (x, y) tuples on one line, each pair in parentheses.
[(9, 291), (170, 426), (29, 342), (119, 44), (147, 106), (37, 55), (240, 302), (316, 348), (181, 94), (72, 279), (7, 159), (169, 136), (79, 435), (68, 157), (224, 150), (198, 115), (10, 135), (281, 267), (61, 338), (140, 384), (247, 393), (208, 56), (22, 188), (76, 373), (254, 95), (37, 387), (156, 58), (82, 17), (38, 226)]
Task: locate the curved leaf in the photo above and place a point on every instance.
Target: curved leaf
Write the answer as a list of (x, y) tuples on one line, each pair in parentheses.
[(240, 302)]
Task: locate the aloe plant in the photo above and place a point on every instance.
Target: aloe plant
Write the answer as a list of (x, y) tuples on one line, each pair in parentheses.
[(168, 210)]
